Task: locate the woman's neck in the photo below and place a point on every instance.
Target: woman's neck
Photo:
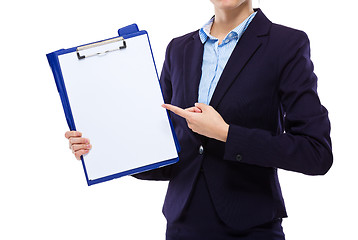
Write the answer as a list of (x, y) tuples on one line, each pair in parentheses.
[(227, 19)]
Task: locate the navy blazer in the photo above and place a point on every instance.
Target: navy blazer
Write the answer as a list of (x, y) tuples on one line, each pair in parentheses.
[(267, 94)]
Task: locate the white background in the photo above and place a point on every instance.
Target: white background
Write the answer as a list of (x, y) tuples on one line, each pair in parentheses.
[(43, 189)]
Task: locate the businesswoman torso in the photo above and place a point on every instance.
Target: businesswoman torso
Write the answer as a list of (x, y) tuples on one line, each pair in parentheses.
[(264, 113)]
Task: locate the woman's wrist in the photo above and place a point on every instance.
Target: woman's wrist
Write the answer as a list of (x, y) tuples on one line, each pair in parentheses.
[(223, 132)]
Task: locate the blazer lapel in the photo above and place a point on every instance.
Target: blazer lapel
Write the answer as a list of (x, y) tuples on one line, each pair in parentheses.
[(193, 58), (248, 44)]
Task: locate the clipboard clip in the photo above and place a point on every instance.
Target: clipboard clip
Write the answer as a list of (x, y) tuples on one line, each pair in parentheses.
[(101, 43)]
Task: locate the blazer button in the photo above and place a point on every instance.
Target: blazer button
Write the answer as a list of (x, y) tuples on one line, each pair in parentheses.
[(238, 157), (201, 150)]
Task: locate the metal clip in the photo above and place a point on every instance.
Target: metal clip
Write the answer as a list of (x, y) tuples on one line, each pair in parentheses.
[(97, 44)]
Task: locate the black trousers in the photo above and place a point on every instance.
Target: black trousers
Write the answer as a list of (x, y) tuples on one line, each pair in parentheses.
[(201, 222)]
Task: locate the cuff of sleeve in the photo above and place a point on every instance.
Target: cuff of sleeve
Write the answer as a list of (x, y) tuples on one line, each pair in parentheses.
[(234, 144), (245, 145)]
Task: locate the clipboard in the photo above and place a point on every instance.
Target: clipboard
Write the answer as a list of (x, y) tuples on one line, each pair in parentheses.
[(110, 91)]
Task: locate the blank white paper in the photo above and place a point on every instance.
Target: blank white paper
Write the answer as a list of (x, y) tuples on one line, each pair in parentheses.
[(116, 102)]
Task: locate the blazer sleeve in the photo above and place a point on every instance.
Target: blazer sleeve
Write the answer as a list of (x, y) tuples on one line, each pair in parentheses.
[(305, 145), (162, 173)]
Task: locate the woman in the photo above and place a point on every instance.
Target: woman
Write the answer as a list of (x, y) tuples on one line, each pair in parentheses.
[(243, 102)]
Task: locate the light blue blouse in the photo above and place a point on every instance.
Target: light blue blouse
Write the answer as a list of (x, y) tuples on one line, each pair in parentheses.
[(215, 56)]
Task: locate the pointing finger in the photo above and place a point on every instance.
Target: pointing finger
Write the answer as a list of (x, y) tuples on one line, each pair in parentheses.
[(177, 110)]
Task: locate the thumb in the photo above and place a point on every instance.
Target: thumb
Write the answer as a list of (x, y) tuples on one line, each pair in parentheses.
[(202, 106)]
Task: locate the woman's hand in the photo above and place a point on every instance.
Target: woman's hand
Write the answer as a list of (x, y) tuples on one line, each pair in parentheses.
[(203, 119), (78, 144)]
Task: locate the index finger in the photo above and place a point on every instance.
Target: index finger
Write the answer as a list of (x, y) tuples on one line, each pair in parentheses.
[(70, 134), (177, 110)]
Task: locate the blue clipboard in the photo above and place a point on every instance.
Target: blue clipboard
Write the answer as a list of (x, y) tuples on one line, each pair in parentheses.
[(62, 72)]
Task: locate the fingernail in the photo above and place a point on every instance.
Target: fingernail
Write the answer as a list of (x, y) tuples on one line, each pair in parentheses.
[(89, 146)]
